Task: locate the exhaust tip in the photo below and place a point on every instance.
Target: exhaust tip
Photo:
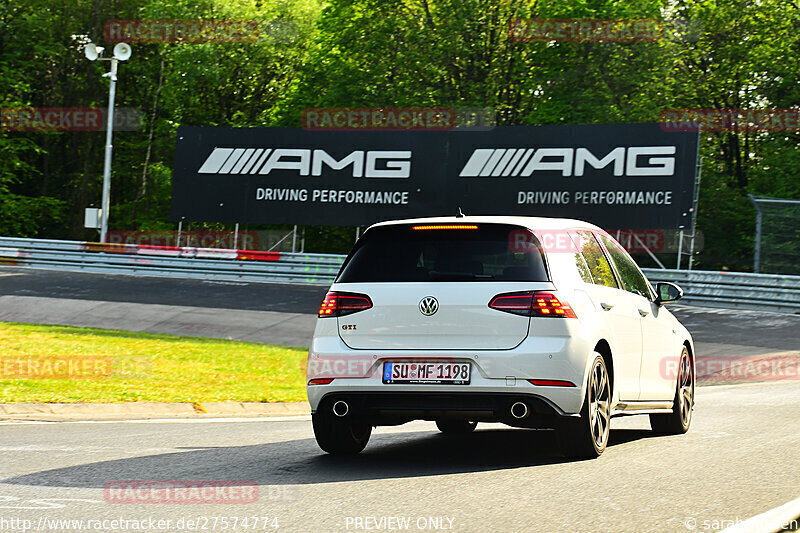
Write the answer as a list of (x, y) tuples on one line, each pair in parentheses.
[(341, 408), (519, 410)]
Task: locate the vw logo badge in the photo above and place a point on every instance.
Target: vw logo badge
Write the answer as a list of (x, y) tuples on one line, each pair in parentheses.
[(428, 305)]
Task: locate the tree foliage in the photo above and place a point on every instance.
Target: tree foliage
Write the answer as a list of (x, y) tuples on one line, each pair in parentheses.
[(358, 53)]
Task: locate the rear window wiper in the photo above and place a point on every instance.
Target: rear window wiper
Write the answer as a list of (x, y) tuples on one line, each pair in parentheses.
[(457, 276)]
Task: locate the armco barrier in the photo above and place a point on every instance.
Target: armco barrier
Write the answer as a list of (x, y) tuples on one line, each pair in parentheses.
[(768, 292), (184, 262), (717, 289)]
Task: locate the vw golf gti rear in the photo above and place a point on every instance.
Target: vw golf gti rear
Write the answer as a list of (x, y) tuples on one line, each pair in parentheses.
[(532, 322)]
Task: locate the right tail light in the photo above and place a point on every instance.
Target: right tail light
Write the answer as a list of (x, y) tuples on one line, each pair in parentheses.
[(532, 303)]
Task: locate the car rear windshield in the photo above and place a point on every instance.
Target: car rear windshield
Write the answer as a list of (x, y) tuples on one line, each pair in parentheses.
[(445, 252)]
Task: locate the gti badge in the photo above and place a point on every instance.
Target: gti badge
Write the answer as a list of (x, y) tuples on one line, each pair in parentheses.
[(428, 305)]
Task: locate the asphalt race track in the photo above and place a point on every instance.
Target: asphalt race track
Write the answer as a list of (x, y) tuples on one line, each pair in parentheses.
[(259, 312), (285, 314), (158, 290), (739, 459)]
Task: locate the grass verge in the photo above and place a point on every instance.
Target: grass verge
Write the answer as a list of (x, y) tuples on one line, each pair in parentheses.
[(122, 366)]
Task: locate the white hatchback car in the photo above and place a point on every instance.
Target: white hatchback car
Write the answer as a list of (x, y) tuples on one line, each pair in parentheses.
[(532, 322)]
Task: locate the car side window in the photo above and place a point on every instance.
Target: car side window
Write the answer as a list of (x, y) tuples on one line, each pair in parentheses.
[(575, 259), (631, 277), (596, 260), (567, 266)]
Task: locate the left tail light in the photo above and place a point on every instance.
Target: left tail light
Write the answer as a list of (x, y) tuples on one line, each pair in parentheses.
[(343, 303), (532, 303)]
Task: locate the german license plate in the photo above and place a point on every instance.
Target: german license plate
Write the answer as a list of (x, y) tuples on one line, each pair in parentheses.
[(435, 372)]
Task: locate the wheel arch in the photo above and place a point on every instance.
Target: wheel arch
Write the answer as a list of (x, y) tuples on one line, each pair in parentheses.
[(690, 347), (603, 348)]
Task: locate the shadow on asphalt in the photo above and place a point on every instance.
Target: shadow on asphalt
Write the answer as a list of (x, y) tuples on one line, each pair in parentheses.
[(393, 455)]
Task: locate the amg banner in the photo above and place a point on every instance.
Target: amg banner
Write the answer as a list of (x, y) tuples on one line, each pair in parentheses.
[(615, 175)]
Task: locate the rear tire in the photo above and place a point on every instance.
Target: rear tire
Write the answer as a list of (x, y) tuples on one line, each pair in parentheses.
[(456, 427), (340, 435), (678, 421), (587, 437)]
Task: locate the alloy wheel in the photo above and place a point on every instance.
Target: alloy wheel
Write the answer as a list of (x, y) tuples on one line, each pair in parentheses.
[(599, 404), (686, 386)]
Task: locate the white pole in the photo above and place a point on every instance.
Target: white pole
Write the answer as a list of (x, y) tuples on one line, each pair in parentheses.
[(236, 237), (107, 163), (294, 238)]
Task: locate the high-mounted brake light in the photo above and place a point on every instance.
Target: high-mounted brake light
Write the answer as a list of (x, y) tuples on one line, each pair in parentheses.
[(532, 303), (343, 303), (445, 226)]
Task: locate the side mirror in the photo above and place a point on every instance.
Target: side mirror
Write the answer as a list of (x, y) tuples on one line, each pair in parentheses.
[(667, 293)]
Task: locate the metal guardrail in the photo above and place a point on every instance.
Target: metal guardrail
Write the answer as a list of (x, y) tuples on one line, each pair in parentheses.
[(197, 263), (717, 289), (746, 290)]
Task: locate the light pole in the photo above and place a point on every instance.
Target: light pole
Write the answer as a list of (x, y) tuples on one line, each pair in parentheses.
[(122, 52)]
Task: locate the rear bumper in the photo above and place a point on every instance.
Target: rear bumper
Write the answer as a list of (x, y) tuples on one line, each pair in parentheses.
[(497, 373), (390, 408)]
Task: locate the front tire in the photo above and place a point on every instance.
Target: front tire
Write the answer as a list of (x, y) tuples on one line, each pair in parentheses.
[(587, 437), (456, 427), (678, 421), (340, 435)]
